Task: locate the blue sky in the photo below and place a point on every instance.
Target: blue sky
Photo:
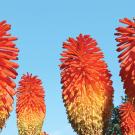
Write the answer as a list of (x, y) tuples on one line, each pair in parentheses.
[(42, 25)]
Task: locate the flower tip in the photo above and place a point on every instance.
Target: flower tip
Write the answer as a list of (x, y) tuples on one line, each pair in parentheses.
[(3, 22)]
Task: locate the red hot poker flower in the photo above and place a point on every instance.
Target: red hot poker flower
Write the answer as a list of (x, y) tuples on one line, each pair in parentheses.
[(127, 114), (8, 52), (126, 39), (87, 88), (30, 107)]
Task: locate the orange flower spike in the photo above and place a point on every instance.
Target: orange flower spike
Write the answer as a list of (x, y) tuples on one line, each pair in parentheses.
[(126, 39), (87, 88), (30, 106), (127, 115), (8, 52)]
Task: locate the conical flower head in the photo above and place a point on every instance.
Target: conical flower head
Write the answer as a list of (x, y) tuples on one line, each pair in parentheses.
[(8, 52), (126, 39), (127, 115), (30, 105), (87, 88)]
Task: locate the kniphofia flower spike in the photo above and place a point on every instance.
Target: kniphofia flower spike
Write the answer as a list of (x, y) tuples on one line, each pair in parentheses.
[(126, 39), (127, 115), (8, 53), (87, 88), (30, 105)]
